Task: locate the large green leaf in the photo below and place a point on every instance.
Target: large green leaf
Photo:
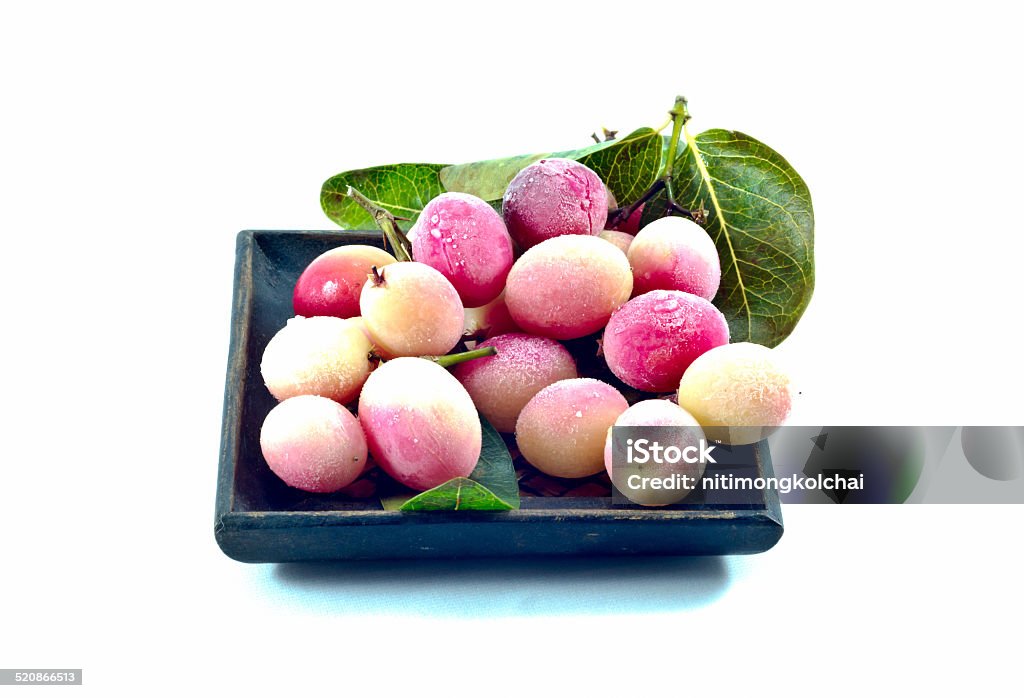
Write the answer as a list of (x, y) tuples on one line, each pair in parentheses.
[(402, 189), (762, 222), (492, 486)]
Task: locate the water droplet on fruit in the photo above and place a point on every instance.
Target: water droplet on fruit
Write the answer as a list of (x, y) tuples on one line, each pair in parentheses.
[(434, 219), (435, 233), (579, 413)]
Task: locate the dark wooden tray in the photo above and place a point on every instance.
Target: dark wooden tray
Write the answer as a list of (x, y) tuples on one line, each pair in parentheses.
[(259, 519)]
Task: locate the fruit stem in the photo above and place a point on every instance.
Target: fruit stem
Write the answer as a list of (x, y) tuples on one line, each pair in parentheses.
[(393, 235), (679, 114), (453, 359), (377, 276), (622, 214)]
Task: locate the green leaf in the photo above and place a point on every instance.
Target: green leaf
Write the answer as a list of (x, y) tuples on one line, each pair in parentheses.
[(487, 179), (459, 494), (627, 165), (492, 486), (762, 222), (402, 189), (494, 468)]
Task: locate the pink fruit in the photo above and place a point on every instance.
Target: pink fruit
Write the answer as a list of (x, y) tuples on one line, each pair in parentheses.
[(619, 239), (651, 340), (738, 392), (313, 443), (332, 282), (554, 197), (411, 310), (324, 356), (501, 385), (562, 429), (677, 254), (685, 433), (420, 423), (568, 286), (462, 237), (489, 320)]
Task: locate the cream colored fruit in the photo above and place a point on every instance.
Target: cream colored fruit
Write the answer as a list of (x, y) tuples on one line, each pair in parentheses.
[(562, 429), (322, 355), (738, 392)]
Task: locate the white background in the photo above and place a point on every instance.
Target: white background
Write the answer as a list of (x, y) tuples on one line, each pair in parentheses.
[(136, 140)]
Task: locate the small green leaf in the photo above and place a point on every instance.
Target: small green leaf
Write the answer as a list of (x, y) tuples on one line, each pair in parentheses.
[(494, 469), (459, 494), (492, 486), (402, 189)]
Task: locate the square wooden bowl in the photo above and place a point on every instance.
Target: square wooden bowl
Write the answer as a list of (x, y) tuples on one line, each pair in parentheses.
[(260, 519)]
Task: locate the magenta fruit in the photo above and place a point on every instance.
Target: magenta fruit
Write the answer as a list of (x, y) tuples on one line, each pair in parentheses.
[(462, 237), (554, 197), (651, 340)]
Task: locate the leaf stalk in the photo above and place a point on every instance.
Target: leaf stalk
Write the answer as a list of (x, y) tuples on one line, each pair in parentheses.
[(453, 359), (393, 235)]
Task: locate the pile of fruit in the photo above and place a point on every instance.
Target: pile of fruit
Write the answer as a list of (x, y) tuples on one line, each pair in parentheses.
[(389, 360)]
